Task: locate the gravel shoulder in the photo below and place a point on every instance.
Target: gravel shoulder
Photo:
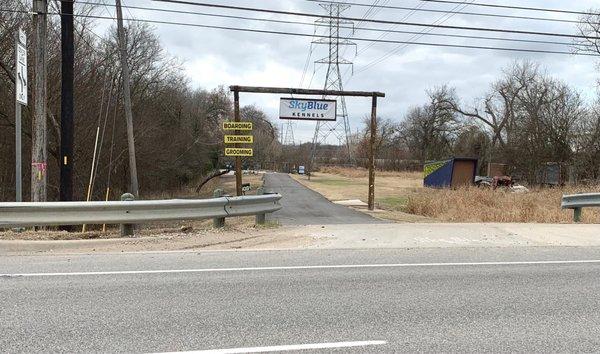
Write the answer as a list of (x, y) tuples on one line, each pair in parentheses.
[(355, 236)]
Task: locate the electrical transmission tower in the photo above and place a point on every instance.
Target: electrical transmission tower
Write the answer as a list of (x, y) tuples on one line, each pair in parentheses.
[(339, 129), (288, 134)]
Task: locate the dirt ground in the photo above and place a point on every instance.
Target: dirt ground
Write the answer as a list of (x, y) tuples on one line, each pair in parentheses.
[(400, 196), (232, 237)]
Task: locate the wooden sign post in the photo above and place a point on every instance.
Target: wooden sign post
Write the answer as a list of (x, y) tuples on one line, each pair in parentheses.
[(316, 109), (237, 151)]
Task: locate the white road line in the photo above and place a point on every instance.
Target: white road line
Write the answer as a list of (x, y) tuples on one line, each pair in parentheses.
[(342, 266), (283, 348)]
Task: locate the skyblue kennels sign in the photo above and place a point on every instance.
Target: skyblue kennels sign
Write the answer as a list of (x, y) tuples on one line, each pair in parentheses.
[(307, 109)]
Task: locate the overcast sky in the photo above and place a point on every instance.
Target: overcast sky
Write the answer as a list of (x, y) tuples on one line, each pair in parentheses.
[(217, 57)]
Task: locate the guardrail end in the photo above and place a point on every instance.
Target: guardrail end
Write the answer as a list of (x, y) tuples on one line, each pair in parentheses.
[(127, 229), (261, 219), (218, 223)]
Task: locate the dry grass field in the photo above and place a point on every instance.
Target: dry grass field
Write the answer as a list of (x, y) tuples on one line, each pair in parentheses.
[(402, 197), (540, 205), (227, 183)]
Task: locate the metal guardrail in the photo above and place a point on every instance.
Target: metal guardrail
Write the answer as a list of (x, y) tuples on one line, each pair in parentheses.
[(579, 201), (133, 212)]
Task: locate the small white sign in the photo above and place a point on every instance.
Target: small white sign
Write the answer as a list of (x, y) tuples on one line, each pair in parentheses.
[(21, 75), (307, 109), (22, 37)]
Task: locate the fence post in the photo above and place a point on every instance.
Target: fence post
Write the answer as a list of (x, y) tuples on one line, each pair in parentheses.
[(577, 214), (261, 219), (218, 222), (127, 229)]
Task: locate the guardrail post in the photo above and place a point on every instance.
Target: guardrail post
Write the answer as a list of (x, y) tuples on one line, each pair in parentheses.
[(261, 219), (577, 214), (218, 222), (127, 229)]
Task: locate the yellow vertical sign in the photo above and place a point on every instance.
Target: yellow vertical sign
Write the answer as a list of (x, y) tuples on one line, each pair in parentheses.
[(237, 126), (239, 139), (243, 152)]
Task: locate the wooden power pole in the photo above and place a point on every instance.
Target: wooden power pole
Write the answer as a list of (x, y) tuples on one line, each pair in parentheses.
[(127, 101), (39, 149), (372, 143), (238, 160), (66, 103)]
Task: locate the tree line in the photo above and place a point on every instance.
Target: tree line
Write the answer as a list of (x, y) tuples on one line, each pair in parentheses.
[(178, 128), (527, 118)]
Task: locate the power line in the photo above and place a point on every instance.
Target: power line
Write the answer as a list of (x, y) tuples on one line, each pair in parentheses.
[(440, 20), (418, 35), (126, 8), (387, 31), (526, 8), (392, 29), (238, 29), (394, 7), (309, 55), (365, 39), (371, 11), (293, 13), (499, 30), (81, 37)]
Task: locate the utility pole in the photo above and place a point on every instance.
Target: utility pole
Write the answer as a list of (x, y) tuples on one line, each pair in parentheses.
[(40, 140), (127, 101), (372, 142), (66, 103)]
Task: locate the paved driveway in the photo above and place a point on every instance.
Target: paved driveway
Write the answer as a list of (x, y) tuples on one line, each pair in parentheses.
[(303, 206)]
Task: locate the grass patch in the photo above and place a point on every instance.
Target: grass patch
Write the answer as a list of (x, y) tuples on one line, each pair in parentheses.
[(336, 182), (398, 203), (360, 172)]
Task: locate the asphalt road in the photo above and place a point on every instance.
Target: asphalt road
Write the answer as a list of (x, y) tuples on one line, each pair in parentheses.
[(303, 206), (434, 300)]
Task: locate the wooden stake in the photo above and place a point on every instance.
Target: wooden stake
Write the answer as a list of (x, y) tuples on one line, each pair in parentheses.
[(106, 199), (89, 190)]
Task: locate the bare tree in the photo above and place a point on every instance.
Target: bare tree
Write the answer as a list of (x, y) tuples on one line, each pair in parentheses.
[(178, 132), (431, 129)]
